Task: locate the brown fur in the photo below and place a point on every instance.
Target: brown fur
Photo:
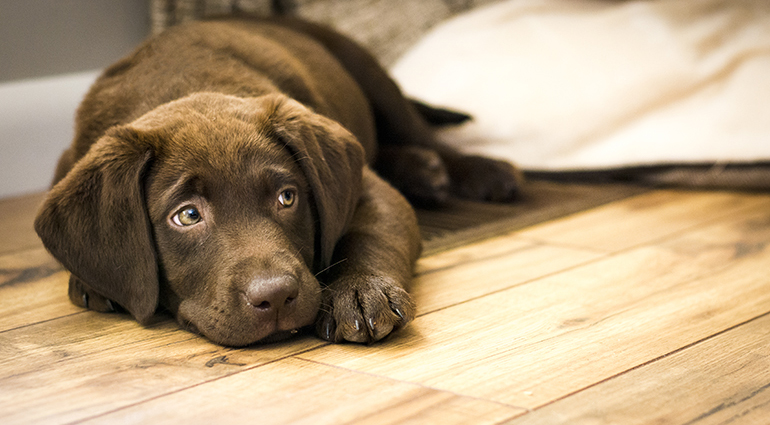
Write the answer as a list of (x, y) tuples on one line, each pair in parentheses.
[(232, 118)]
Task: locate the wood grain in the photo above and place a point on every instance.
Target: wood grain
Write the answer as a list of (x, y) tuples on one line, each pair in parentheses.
[(33, 288), (641, 219), (653, 309), (482, 268), (722, 380), (299, 392), (18, 214), (534, 343), (89, 364)]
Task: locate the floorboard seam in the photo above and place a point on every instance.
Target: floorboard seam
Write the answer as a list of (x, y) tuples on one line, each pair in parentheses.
[(654, 360), (524, 409), (189, 387)]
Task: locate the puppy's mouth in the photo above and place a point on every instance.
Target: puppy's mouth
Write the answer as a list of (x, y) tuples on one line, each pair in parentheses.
[(274, 336), (239, 328), (189, 326)]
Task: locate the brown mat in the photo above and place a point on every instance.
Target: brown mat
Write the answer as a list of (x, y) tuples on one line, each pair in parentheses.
[(463, 222)]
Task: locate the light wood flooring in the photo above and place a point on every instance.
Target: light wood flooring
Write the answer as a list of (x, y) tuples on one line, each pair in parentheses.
[(654, 309)]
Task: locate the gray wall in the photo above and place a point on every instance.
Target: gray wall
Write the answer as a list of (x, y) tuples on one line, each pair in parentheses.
[(48, 37), (50, 52)]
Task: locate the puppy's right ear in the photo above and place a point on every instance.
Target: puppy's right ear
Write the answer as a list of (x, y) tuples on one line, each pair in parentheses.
[(95, 222)]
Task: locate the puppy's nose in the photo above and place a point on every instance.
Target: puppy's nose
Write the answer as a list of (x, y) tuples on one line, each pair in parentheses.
[(272, 293)]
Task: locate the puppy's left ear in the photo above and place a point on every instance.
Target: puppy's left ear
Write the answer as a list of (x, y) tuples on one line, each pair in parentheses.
[(94, 221), (332, 160)]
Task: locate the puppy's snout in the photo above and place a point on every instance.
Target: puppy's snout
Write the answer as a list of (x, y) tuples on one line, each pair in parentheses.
[(272, 293)]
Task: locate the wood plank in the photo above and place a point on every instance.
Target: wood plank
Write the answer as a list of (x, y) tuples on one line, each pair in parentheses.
[(538, 342), (722, 380), (17, 232), (33, 288), (89, 364), (300, 392), (507, 260), (59, 362), (641, 219), (520, 320)]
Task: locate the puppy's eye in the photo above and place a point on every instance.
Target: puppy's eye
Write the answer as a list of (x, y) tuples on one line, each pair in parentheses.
[(187, 217), (287, 198)]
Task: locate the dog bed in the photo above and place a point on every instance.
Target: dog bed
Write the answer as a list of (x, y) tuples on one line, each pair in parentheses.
[(668, 91)]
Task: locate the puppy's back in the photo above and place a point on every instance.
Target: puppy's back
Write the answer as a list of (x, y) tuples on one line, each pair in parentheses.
[(245, 58)]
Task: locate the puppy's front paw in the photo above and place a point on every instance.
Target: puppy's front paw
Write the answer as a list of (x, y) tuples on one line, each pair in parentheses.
[(485, 179), (363, 309)]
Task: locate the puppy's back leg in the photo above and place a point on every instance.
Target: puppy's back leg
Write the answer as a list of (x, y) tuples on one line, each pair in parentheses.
[(405, 136)]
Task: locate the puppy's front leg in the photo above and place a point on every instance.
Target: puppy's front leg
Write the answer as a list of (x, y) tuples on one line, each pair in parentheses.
[(373, 263), (83, 296)]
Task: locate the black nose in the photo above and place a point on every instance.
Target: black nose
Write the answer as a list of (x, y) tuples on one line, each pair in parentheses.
[(272, 293)]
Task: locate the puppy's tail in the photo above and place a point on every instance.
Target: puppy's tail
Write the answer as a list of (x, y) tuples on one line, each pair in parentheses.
[(438, 117), (277, 8), (283, 7)]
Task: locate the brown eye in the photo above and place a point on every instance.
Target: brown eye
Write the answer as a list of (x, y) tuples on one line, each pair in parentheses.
[(287, 198), (187, 217)]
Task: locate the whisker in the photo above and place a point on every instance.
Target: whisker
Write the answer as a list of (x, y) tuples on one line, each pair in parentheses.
[(331, 265)]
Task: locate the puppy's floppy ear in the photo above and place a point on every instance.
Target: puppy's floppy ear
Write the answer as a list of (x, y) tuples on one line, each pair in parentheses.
[(95, 222), (332, 160)]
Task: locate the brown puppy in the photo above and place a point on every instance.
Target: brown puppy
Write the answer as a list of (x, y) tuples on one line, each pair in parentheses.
[(220, 171)]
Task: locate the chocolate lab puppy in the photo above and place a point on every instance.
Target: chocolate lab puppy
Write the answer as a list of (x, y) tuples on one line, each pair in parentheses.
[(222, 172)]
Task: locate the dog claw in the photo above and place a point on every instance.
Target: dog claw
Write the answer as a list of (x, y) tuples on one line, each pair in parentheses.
[(380, 330), (400, 314), (327, 329), (364, 310)]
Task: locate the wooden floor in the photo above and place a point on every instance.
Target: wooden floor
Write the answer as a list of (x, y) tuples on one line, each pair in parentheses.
[(653, 309)]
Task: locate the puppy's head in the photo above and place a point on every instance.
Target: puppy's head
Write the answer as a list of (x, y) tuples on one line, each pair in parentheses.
[(216, 207)]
